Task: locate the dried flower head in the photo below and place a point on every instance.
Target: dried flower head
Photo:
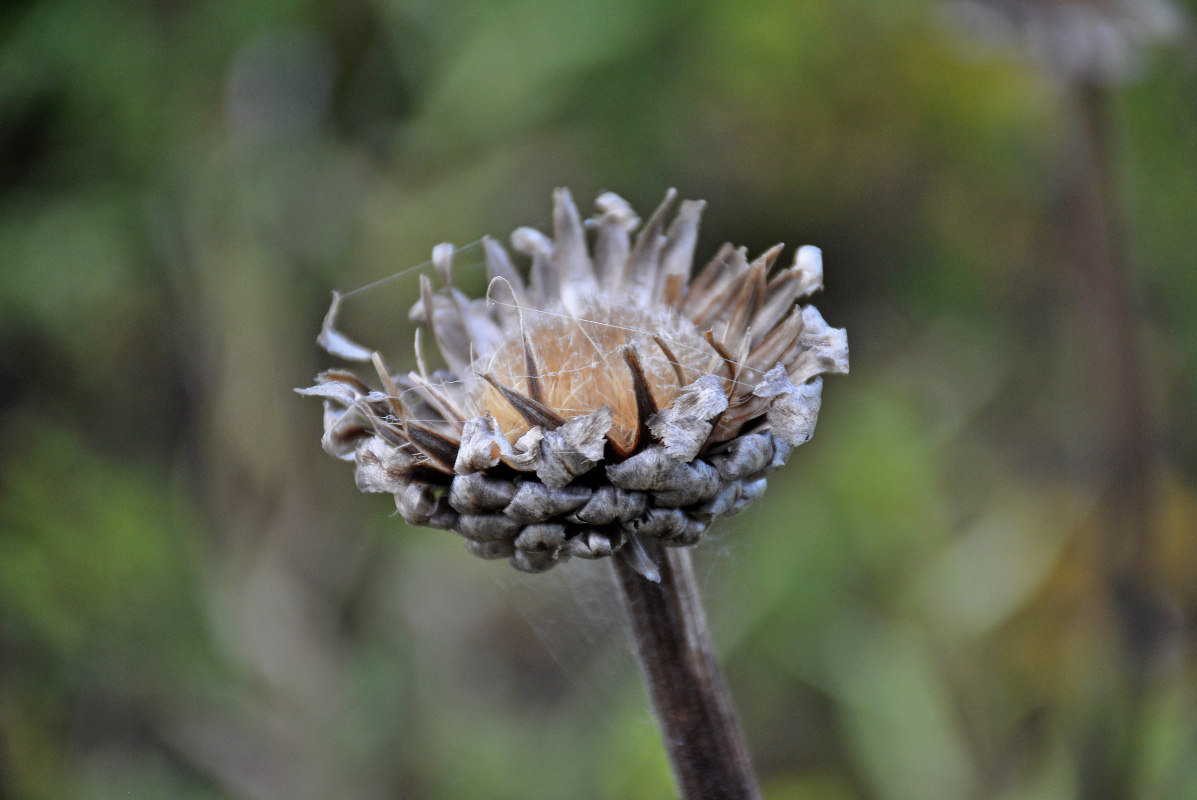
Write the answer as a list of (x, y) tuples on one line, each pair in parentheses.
[(604, 398), (1098, 42)]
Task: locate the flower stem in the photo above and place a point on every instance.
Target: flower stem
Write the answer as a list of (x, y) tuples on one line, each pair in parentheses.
[(1104, 274), (702, 735)]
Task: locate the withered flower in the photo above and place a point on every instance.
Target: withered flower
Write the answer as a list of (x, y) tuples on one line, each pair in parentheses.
[(1082, 42), (605, 399)]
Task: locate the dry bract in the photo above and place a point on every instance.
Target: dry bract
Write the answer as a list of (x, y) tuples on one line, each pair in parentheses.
[(606, 397)]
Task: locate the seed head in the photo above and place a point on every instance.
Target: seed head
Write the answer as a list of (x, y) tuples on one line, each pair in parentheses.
[(606, 397)]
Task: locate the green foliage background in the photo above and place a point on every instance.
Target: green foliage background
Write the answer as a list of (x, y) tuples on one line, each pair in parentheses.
[(929, 603)]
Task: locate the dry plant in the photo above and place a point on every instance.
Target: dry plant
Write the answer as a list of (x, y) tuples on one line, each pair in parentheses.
[(608, 404)]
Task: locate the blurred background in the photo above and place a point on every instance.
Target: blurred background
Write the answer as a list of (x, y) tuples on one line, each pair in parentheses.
[(978, 580)]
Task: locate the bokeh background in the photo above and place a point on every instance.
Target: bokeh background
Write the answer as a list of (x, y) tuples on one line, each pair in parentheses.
[(978, 580)]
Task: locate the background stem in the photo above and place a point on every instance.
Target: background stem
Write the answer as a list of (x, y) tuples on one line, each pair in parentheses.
[(702, 735), (1148, 624)]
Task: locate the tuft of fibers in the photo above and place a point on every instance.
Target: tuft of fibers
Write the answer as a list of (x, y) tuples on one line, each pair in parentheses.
[(580, 365)]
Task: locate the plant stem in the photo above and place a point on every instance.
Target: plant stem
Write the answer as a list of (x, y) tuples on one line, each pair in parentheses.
[(1100, 268), (698, 723)]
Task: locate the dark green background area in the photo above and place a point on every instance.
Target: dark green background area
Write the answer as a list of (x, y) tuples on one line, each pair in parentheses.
[(978, 580)]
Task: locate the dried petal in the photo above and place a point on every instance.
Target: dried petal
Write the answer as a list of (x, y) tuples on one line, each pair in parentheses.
[(336, 343), (825, 349), (684, 427), (481, 445), (654, 470), (792, 416), (678, 253), (703, 484), (476, 493), (610, 505), (541, 536), (498, 265), (381, 467), (533, 561), (572, 258), (808, 260), (594, 543), (612, 245), (643, 262), (443, 516), (485, 527), (639, 560), (658, 523), (795, 409), (650, 469), (559, 456), (745, 455), (774, 382), (750, 492), (416, 503), (491, 549), (535, 502), (720, 504), (543, 281)]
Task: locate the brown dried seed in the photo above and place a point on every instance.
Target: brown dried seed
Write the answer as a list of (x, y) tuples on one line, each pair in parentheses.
[(531, 371), (646, 406), (534, 412), (441, 449)]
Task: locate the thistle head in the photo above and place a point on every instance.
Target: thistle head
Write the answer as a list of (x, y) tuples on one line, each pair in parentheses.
[(601, 395)]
